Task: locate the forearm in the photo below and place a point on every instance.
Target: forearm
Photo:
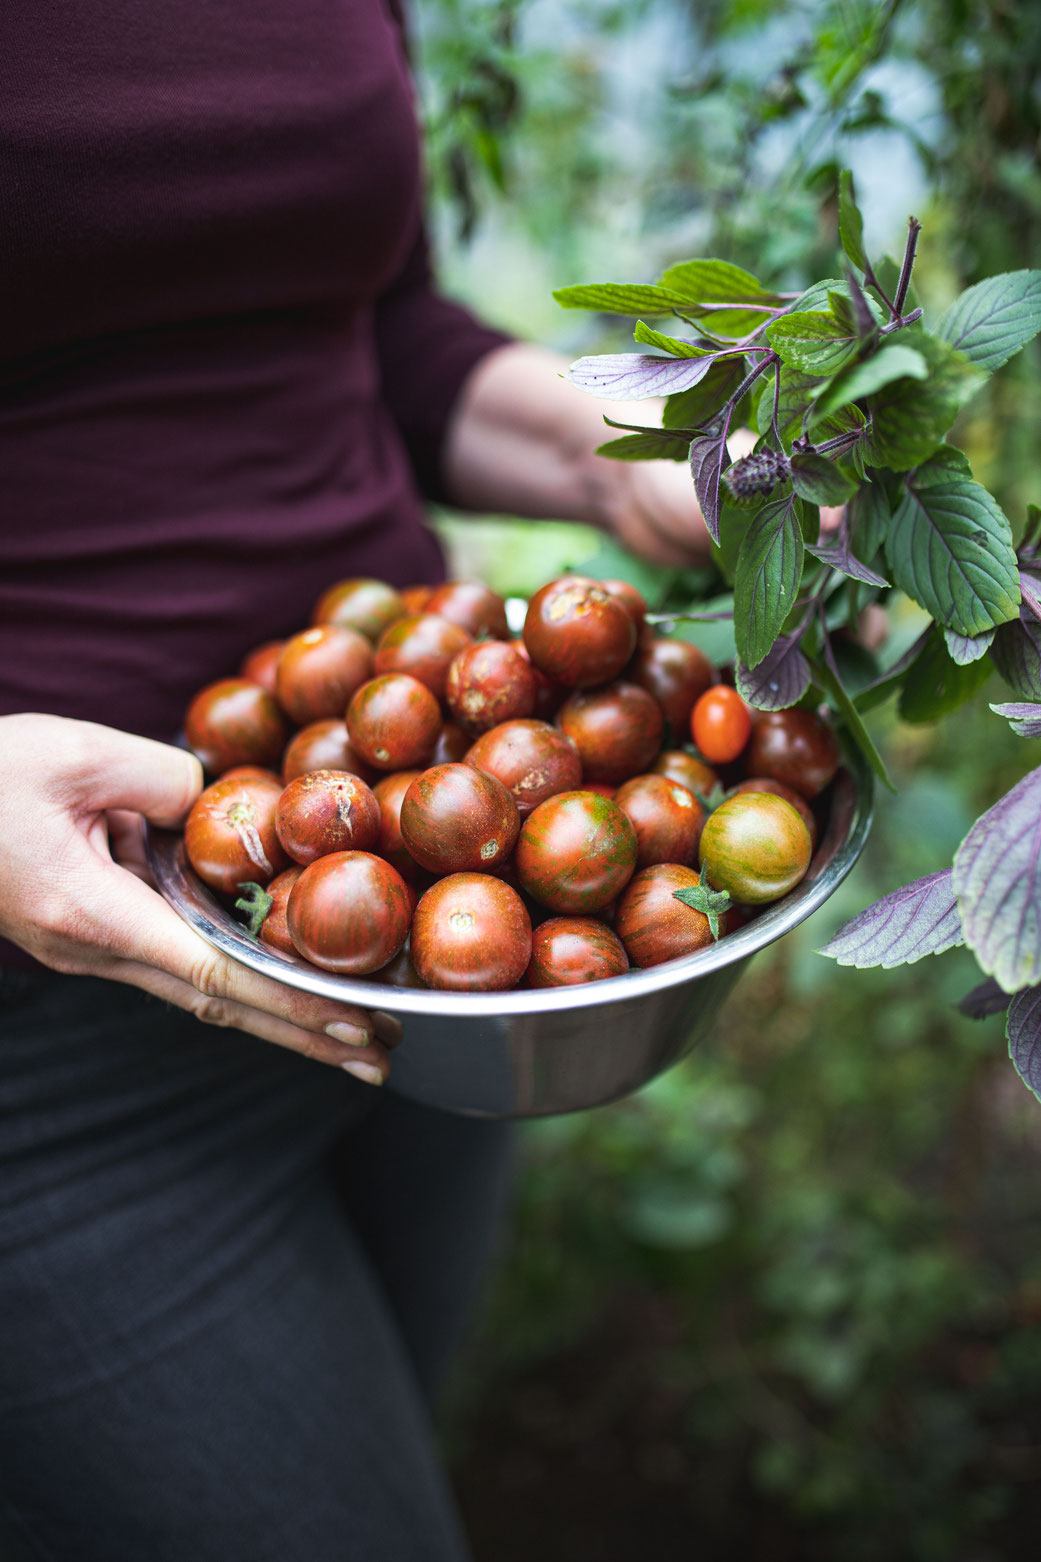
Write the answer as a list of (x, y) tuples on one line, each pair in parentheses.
[(521, 441)]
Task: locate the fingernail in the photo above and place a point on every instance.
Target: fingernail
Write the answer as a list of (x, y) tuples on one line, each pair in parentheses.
[(367, 1072), (353, 1035), (387, 1028)]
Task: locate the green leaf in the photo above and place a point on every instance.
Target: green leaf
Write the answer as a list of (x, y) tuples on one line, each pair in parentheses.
[(864, 379), (818, 480), (910, 417), (868, 520), (654, 446), (704, 401), (796, 385), (814, 341), (936, 685), (850, 717), (707, 286), (769, 570), (993, 320), (620, 298), (851, 223), (943, 464), (950, 549), (712, 903), (677, 346)]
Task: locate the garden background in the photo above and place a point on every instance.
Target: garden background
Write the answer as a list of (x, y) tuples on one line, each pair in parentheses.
[(786, 1302)]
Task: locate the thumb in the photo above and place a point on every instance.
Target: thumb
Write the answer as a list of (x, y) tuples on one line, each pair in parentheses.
[(121, 770)]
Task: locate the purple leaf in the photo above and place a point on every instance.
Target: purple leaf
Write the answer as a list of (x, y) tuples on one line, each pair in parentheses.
[(997, 878), (1030, 586), (1025, 720), (836, 552), (1023, 1029), (780, 680), (709, 458), (983, 1001), (1016, 653), (919, 919), (966, 649), (631, 376)]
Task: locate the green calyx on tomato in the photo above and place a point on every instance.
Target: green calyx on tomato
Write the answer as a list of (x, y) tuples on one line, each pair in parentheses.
[(712, 903), (254, 903)]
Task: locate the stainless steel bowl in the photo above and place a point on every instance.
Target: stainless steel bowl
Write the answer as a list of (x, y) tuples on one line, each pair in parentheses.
[(528, 1054)]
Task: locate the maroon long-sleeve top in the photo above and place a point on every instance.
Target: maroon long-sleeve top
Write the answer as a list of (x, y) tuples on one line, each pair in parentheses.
[(225, 374)]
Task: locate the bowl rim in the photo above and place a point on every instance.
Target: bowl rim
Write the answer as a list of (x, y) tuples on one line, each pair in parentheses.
[(849, 822)]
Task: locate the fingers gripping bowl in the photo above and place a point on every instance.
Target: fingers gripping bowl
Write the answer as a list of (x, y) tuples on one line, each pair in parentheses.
[(536, 1050)]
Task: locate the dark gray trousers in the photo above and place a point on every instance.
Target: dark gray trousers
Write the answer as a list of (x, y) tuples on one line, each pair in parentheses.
[(229, 1280)]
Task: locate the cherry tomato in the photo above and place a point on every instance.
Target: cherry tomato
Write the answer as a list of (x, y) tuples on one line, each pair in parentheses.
[(489, 683), (456, 819), (794, 747), (274, 931), (349, 913), (230, 836), (801, 806), (720, 724), (235, 722), (531, 758), (755, 846), (617, 730), (687, 769), (422, 646), (394, 722), (653, 925), (326, 811), (389, 794), (569, 950), (452, 746), (415, 598), (319, 670), (472, 605), (577, 632), (677, 674), (634, 602), (259, 664), (362, 604), (575, 852), (471, 933), (666, 816), (323, 745)]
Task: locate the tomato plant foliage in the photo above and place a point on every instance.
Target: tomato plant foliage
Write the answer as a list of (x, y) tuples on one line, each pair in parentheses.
[(853, 393)]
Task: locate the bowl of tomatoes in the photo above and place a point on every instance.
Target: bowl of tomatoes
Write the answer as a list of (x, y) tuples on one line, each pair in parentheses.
[(550, 853)]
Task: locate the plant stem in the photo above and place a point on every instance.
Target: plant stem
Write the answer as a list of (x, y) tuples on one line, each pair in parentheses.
[(914, 228), (751, 377), (777, 406), (901, 320)]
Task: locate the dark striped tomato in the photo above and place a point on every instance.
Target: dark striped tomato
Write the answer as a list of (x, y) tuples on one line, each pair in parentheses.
[(323, 745), (472, 605), (259, 664), (422, 646), (617, 730), (349, 913), (634, 601), (274, 931), (755, 846), (471, 933), (531, 758), (452, 746), (676, 673), (577, 632), (455, 819), (394, 722), (319, 670), (235, 722), (230, 835), (575, 852), (569, 950), (666, 816), (687, 769), (326, 811), (653, 925), (489, 683), (794, 747), (362, 604)]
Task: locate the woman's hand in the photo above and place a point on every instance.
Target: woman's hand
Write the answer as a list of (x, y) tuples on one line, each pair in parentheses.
[(74, 889)]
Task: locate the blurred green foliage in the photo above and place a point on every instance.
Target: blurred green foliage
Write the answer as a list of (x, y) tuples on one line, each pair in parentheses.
[(788, 1296)]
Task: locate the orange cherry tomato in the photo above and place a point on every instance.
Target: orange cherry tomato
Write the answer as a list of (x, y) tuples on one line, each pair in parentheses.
[(720, 724)]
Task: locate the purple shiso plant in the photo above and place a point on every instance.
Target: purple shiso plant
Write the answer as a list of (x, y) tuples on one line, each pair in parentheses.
[(852, 393)]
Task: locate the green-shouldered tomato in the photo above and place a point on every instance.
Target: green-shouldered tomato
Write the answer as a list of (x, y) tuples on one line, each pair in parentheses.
[(575, 852), (755, 846)]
